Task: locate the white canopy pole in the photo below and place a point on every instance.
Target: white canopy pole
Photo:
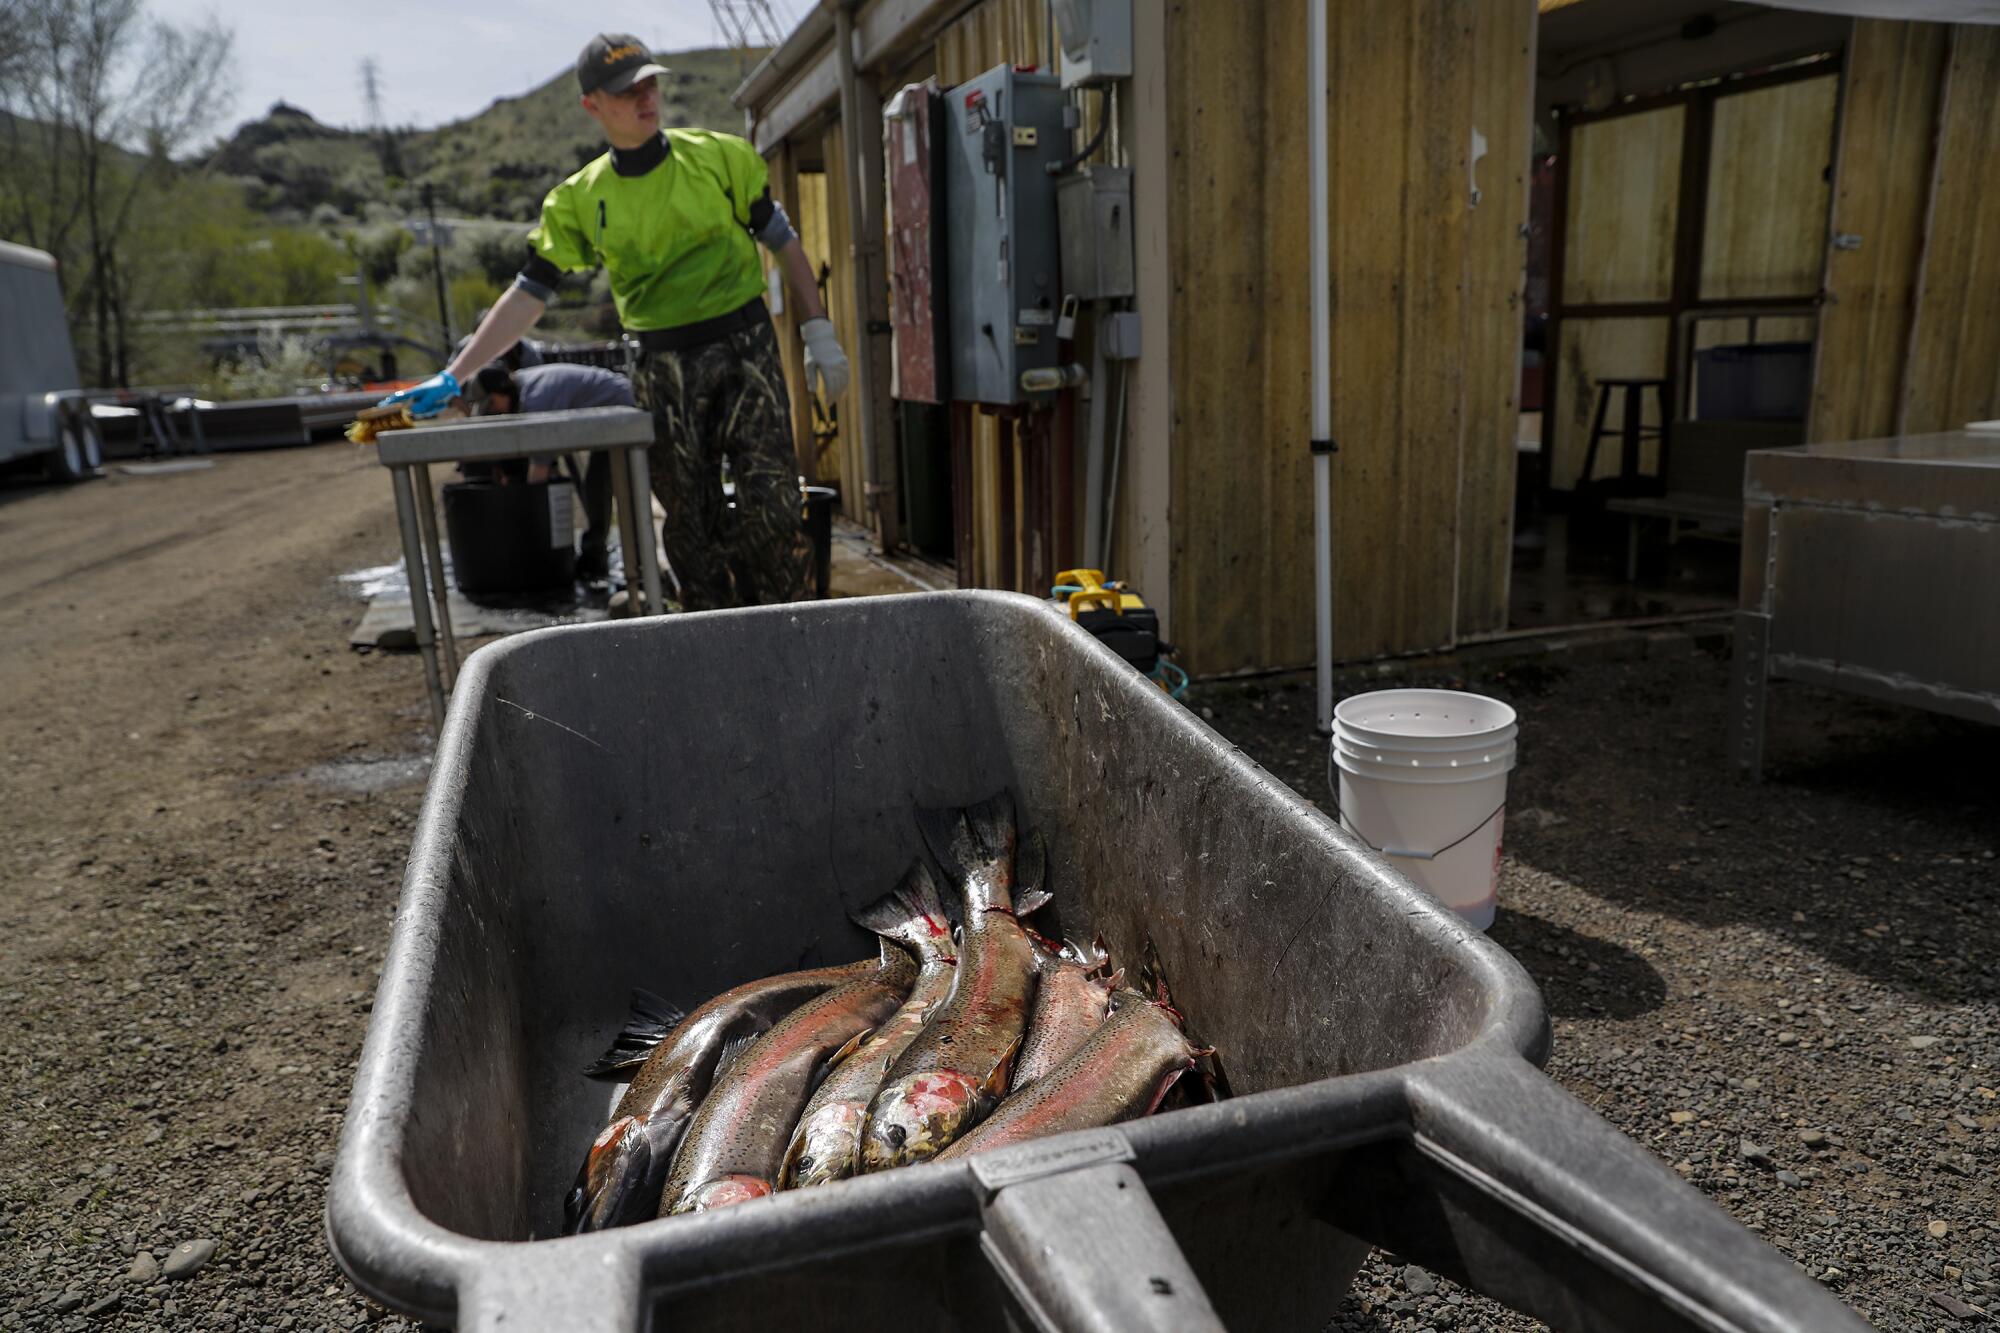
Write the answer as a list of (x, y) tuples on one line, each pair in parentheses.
[(1322, 368)]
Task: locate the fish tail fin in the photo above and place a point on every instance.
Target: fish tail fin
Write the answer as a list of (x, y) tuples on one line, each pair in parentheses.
[(651, 1022), (911, 914), (1112, 984), (1031, 876), (969, 840)]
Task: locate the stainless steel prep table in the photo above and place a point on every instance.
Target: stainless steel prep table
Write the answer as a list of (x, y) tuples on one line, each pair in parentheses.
[(1871, 566), (623, 432)]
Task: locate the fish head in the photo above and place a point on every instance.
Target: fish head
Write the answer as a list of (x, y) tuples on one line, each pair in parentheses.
[(827, 1146), (621, 1179), (721, 1192), (607, 1186), (917, 1117)]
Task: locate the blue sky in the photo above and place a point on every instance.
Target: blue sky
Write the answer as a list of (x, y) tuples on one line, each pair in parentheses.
[(441, 60)]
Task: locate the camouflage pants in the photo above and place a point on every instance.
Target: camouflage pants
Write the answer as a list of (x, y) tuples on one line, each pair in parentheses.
[(725, 402)]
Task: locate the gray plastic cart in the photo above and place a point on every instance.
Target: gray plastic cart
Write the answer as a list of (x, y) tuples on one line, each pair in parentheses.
[(688, 802)]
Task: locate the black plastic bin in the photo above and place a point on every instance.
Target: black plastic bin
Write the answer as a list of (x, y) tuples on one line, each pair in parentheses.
[(510, 537), (683, 803)]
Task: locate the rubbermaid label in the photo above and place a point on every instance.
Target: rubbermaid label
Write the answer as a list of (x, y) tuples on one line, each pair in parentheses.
[(1032, 1161), (562, 519)]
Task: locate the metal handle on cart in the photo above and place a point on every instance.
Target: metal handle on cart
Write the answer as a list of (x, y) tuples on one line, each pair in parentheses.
[(1075, 1237), (1511, 1187)]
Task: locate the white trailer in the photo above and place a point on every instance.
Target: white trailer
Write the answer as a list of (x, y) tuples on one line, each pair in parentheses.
[(43, 408)]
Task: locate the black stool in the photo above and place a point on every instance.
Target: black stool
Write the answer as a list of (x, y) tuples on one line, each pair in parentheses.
[(1632, 430)]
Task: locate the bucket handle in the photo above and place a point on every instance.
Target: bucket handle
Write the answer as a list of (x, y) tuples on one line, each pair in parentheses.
[(1340, 817), (1414, 855)]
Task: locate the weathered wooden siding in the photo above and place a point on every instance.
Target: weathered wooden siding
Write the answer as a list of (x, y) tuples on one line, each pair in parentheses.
[(1765, 233), (1894, 72), (1426, 322), (1624, 194), (1502, 85), (1952, 372), (843, 309)]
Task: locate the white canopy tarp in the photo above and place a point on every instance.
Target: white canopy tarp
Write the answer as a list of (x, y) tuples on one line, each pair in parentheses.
[(1932, 11)]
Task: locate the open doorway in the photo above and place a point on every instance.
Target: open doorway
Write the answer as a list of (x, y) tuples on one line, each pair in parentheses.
[(1678, 242)]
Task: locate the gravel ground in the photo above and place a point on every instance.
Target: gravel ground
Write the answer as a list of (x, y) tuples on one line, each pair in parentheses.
[(1787, 990), (210, 800)]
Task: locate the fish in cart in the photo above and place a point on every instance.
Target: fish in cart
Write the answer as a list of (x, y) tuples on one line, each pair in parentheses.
[(678, 1057), (959, 1067), (826, 1146), (1072, 1000), (1123, 1071), (736, 1142)]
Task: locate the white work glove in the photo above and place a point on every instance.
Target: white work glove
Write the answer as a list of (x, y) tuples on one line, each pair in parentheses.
[(826, 364)]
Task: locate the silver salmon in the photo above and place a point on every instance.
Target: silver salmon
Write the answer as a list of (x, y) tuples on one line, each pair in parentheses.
[(678, 1056), (958, 1068), (1121, 1072), (826, 1146), (736, 1141), (1072, 1001)]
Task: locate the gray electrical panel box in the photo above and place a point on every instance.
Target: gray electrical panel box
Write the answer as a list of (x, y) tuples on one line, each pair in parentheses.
[(1094, 218), (1004, 128), (1096, 38)]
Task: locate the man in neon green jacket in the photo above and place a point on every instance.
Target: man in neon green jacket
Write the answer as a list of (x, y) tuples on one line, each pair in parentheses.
[(673, 217)]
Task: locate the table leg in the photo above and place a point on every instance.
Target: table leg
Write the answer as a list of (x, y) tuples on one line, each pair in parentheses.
[(1749, 673), (413, 564), (642, 501), (628, 531), (427, 528)]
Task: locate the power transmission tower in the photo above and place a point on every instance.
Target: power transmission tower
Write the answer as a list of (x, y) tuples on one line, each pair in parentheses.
[(371, 96), (747, 25)]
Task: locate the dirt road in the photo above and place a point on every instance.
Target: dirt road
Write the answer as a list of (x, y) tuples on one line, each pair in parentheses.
[(190, 921)]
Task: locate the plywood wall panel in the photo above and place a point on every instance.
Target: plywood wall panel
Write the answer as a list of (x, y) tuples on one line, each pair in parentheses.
[(1624, 194), (1503, 43), (1892, 78), (841, 307), (1952, 372), (1223, 419), (1765, 233), (1425, 314)]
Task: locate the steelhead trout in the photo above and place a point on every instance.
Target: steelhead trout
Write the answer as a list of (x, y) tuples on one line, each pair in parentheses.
[(678, 1056), (1121, 1072), (1072, 1001), (826, 1146), (957, 1069), (736, 1141)]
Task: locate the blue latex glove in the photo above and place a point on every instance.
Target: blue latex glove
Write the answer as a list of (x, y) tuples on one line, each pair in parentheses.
[(426, 399)]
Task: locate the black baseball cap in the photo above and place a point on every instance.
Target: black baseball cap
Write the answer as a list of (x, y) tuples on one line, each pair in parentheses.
[(614, 61)]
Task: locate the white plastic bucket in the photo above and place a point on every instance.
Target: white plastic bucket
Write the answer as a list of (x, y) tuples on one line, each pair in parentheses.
[(1421, 776)]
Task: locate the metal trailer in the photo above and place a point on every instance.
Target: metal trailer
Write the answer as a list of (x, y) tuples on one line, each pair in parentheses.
[(43, 407), (683, 803), (1871, 566)]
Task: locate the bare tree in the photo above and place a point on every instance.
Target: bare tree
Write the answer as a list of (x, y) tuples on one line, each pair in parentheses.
[(97, 102)]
